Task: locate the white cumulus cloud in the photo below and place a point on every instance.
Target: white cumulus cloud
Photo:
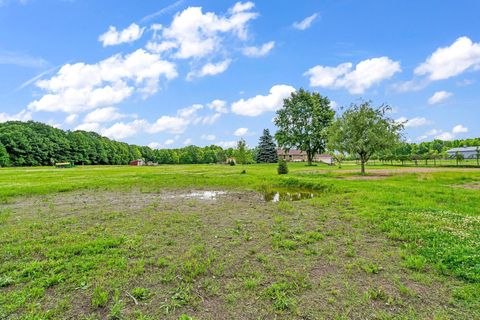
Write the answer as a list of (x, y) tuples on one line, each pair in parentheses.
[(218, 105), (439, 97), (459, 129), (81, 87), (114, 37), (104, 115), (451, 61), (23, 115), (413, 122), (240, 132), (209, 69), (259, 104), (365, 74), (195, 34)]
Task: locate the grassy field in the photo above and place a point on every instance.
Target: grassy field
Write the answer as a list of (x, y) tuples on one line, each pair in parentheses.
[(147, 243)]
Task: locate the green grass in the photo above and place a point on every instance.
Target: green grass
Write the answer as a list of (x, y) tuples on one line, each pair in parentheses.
[(117, 242)]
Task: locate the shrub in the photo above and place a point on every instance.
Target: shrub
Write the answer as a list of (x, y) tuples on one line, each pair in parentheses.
[(282, 167)]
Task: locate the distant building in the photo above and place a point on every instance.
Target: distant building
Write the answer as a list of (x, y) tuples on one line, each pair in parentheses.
[(467, 152), (301, 156), (138, 162)]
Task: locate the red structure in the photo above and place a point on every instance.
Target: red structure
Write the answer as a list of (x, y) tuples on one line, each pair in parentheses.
[(138, 162)]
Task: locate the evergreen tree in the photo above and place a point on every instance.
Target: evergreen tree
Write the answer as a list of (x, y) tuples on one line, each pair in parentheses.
[(267, 150)]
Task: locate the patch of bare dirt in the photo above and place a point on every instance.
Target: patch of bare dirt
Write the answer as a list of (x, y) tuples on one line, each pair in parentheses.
[(471, 186), (367, 177)]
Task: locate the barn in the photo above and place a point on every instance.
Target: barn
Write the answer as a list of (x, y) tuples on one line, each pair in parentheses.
[(467, 152), (138, 162)]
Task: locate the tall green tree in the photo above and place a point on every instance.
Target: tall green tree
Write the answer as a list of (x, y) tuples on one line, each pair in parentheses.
[(4, 157), (364, 130), (303, 122), (267, 150)]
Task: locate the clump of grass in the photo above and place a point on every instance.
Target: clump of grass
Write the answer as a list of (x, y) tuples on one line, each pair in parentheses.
[(415, 262), (370, 267), (116, 311), (281, 295), (141, 293), (99, 297), (376, 293)]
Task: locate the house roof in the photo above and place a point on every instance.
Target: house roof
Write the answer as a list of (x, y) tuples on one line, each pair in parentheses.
[(294, 152), (291, 152), (464, 149)]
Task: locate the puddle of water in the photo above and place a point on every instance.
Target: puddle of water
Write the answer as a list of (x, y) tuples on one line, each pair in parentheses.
[(276, 196), (201, 195)]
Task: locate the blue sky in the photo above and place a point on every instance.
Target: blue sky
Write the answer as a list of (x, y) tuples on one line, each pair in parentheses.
[(167, 74)]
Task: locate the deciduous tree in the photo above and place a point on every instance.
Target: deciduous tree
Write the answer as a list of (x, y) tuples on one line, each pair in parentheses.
[(364, 130), (303, 122)]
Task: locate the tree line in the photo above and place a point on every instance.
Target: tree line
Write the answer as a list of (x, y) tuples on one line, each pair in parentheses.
[(306, 122), (37, 144)]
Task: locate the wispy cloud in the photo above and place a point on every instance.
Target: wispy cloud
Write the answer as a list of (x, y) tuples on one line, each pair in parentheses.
[(37, 77), (305, 23), (21, 59), (162, 11)]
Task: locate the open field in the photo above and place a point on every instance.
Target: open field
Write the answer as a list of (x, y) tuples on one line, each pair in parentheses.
[(148, 243)]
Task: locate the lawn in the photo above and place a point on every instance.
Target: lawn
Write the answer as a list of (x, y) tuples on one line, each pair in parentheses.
[(119, 242)]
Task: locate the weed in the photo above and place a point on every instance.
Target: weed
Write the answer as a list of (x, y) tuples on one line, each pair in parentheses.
[(99, 297), (141, 293)]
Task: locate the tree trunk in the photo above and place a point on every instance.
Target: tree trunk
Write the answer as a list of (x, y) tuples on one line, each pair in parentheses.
[(363, 167), (309, 158)]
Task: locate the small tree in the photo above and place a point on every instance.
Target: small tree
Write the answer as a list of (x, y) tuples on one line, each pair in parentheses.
[(242, 154), (267, 150), (303, 122), (364, 130), (459, 157), (282, 167)]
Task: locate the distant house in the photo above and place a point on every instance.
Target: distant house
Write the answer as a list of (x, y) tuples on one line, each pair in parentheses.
[(467, 152), (301, 156), (138, 162)]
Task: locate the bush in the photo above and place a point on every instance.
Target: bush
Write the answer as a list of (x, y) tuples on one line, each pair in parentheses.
[(231, 162), (282, 167)]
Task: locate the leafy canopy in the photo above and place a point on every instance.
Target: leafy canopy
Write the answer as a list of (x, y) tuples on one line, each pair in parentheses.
[(303, 122), (364, 130)]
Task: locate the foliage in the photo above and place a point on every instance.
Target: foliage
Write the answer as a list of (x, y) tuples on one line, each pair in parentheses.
[(282, 167), (303, 122), (364, 130), (37, 144), (4, 157), (267, 150), (243, 154)]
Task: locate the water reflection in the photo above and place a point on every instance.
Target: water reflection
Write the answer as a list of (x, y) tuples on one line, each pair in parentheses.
[(276, 196), (203, 195)]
